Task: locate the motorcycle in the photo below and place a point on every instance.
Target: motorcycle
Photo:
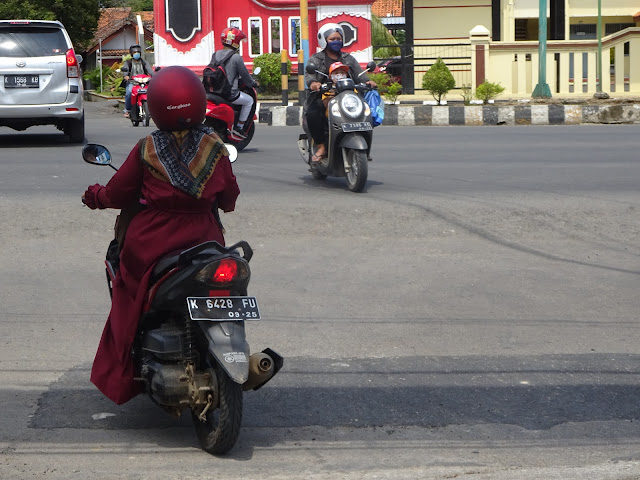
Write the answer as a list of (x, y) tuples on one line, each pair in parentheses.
[(139, 109), (221, 115), (191, 350), (350, 133)]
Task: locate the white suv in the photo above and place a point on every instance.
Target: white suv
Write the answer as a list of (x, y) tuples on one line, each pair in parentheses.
[(40, 82)]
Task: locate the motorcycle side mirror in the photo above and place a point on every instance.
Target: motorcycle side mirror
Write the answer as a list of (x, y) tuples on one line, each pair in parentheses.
[(257, 70), (233, 152), (371, 66), (157, 69), (96, 154), (310, 68)]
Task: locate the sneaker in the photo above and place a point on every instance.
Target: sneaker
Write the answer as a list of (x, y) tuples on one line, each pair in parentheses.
[(238, 134)]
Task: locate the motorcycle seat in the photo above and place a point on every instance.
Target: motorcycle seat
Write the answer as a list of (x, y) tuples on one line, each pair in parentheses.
[(217, 99)]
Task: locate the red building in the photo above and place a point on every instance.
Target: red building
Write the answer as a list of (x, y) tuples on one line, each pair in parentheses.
[(187, 32)]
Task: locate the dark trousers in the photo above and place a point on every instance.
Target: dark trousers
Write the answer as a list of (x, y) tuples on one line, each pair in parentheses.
[(317, 121)]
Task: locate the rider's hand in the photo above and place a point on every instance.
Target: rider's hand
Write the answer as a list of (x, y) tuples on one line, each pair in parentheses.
[(90, 197), (315, 86), (372, 84), (126, 77)]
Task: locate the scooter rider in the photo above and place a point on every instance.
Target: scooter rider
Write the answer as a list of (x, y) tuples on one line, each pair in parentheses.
[(134, 66), (236, 70), (331, 40), (182, 171)]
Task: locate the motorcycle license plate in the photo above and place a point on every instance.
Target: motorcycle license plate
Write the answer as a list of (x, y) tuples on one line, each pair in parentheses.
[(21, 81), (222, 309), (357, 127)]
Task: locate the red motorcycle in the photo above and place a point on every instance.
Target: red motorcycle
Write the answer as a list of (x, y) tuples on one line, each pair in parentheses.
[(221, 115), (139, 109)]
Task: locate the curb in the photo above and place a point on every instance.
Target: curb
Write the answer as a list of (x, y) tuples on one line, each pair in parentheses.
[(480, 115)]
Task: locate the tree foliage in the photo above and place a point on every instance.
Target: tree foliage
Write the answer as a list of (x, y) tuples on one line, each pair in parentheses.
[(438, 80), (79, 17)]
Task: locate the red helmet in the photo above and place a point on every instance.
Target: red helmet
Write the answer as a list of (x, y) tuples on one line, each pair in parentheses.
[(232, 36), (176, 99)]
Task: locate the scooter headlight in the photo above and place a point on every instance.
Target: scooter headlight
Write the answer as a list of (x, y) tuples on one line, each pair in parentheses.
[(352, 105)]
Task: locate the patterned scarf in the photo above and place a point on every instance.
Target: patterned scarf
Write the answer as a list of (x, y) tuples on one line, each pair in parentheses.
[(186, 159)]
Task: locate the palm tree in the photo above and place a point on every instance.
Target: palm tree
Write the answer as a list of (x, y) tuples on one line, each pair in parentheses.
[(380, 35)]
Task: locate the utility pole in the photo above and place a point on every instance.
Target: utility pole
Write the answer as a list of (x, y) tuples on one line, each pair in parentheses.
[(599, 93), (304, 31), (542, 89)]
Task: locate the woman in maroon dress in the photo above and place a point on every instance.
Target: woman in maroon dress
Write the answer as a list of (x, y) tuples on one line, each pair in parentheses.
[(183, 172)]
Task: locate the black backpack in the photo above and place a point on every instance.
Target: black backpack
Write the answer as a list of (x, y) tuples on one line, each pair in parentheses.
[(214, 77)]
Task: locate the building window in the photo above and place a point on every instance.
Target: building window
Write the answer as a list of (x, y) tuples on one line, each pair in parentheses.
[(294, 36), (611, 28), (255, 36), (275, 34)]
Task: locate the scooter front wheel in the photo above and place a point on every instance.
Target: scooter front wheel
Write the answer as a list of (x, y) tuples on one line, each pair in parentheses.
[(358, 170), (147, 117), (219, 433)]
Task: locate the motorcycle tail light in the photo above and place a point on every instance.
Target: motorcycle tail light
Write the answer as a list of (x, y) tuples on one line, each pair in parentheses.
[(223, 271), (72, 64)]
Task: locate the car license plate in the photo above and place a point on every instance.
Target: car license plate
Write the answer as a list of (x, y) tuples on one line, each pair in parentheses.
[(223, 308), (21, 81), (357, 127)]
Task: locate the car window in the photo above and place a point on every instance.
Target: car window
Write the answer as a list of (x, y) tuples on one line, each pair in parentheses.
[(31, 42)]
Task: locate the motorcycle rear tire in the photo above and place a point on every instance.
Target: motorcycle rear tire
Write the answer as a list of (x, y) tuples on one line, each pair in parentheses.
[(245, 141), (220, 432), (147, 117), (359, 168)]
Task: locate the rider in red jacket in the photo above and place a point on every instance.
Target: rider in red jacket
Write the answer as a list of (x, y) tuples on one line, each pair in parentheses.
[(183, 173)]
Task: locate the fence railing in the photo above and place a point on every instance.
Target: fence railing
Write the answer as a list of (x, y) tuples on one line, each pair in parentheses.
[(415, 59), (571, 65)]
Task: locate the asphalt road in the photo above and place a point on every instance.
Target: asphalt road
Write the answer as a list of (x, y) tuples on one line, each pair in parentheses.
[(473, 314)]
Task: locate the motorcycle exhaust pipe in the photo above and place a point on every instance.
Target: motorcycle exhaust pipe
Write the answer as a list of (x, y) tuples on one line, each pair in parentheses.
[(261, 370)]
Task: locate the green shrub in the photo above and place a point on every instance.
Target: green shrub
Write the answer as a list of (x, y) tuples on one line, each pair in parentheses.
[(438, 80), (487, 90), (467, 94), (270, 77), (383, 80), (392, 92)]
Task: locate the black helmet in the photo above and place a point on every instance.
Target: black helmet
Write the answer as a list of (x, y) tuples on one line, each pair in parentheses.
[(135, 48)]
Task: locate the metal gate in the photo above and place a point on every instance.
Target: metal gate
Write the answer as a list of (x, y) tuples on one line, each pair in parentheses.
[(414, 60)]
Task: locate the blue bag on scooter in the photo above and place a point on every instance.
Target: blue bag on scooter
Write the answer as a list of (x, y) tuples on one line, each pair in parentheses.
[(372, 97)]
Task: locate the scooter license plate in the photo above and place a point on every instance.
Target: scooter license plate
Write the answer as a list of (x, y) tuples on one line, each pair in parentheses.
[(221, 309), (357, 127)]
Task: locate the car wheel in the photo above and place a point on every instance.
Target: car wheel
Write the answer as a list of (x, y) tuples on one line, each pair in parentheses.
[(75, 130)]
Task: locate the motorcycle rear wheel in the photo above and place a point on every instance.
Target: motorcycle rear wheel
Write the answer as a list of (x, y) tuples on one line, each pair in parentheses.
[(357, 175), (147, 117), (220, 432), (242, 144)]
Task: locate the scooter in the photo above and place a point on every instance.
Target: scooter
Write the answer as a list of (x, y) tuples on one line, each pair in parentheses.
[(221, 115), (139, 109), (191, 350), (350, 133)]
